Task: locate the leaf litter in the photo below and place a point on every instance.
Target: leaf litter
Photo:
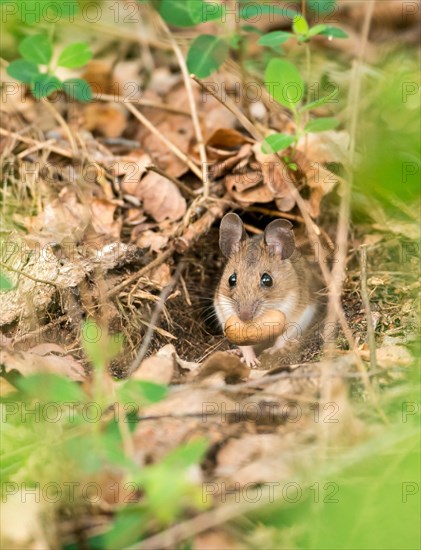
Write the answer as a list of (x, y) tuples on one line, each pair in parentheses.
[(95, 234)]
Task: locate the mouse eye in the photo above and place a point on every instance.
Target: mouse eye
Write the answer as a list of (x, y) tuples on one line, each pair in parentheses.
[(232, 280), (266, 280)]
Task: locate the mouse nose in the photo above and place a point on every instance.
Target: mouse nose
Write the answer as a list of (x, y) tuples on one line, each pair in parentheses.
[(246, 313)]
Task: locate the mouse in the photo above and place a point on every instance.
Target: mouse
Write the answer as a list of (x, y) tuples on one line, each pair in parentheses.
[(264, 273)]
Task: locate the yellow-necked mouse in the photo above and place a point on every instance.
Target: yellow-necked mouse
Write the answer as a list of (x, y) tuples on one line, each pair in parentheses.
[(262, 274)]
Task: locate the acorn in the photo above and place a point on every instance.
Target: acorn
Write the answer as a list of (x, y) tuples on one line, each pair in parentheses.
[(265, 328)]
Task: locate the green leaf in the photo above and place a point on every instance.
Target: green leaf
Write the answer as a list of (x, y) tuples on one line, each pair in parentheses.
[(276, 142), (45, 84), (47, 387), (99, 346), (319, 102), (334, 32), (252, 28), (23, 70), (317, 29), (284, 83), (5, 283), (235, 41), (141, 392), (36, 48), (188, 454), (206, 54), (75, 56), (181, 13), (300, 25), (274, 39), (126, 528), (77, 88), (321, 125)]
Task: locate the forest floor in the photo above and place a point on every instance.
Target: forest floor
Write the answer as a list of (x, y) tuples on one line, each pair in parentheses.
[(109, 264)]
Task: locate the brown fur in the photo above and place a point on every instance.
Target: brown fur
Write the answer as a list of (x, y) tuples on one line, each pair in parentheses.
[(294, 282)]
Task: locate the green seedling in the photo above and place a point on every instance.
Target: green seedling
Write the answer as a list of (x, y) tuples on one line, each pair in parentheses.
[(36, 69)]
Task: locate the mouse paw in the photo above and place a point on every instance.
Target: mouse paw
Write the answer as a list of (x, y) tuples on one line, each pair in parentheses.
[(249, 357)]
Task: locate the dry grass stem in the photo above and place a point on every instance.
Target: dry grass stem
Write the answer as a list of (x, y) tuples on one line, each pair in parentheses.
[(231, 106), (193, 109), (154, 319), (366, 302), (173, 148)]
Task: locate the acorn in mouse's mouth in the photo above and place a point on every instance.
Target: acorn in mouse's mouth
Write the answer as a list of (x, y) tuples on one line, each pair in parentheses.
[(263, 329)]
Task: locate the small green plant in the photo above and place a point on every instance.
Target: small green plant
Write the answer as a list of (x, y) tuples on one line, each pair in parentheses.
[(58, 432), (36, 68), (282, 78), (5, 283), (285, 84)]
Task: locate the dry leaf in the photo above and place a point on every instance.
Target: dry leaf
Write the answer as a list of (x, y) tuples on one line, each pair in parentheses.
[(158, 368), (103, 218), (223, 367), (132, 167), (29, 362), (28, 534), (389, 356), (253, 459), (161, 198), (227, 138), (62, 217), (162, 275), (150, 239), (275, 176), (107, 119)]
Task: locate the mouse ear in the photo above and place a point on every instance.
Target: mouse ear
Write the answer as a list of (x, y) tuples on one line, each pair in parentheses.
[(280, 239), (231, 233)]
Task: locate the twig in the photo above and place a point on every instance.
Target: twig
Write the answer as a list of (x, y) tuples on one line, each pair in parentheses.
[(142, 102), (135, 276), (170, 537), (366, 302), (338, 271), (62, 123), (34, 148), (31, 141), (231, 106), (35, 279), (154, 319), (193, 109), (176, 181), (173, 148)]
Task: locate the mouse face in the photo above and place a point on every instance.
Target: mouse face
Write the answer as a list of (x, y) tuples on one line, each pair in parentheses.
[(259, 274)]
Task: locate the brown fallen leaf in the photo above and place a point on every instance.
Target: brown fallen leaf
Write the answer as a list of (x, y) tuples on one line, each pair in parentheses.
[(162, 275), (158, 368), (227, 138), (61, 218), (132, 168), (31, 533), (276, 176), (223, 367), (107, 119), (149, 239), (161, 198), (103, 218), (254, 459), (389, 356), (29, 362)]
